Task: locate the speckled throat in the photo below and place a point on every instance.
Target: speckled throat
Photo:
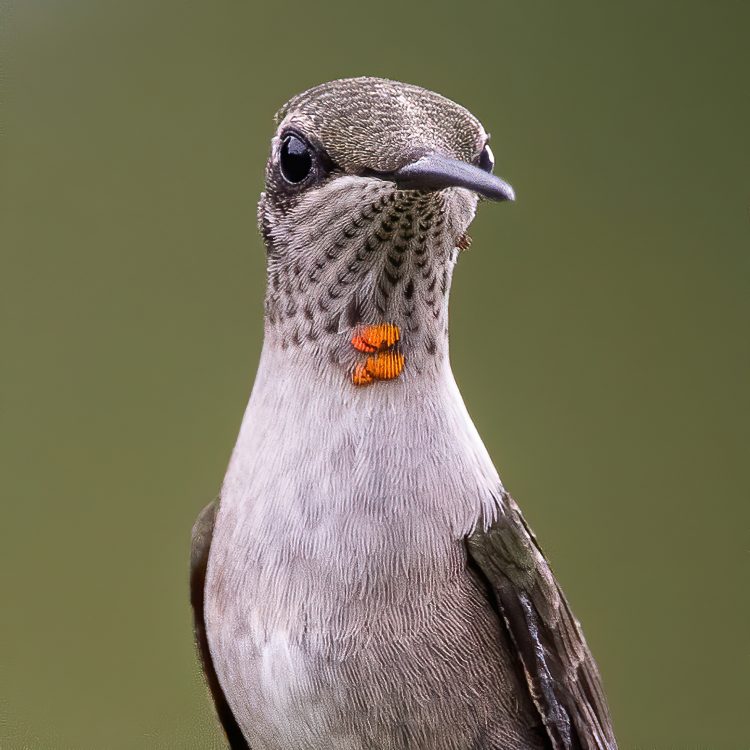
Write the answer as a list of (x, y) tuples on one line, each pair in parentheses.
[(375, 255)]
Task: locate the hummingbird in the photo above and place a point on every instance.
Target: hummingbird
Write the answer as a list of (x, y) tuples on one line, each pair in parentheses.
[(364, 581)]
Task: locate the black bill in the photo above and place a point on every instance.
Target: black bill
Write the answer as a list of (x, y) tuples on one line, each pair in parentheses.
[(435, 172)]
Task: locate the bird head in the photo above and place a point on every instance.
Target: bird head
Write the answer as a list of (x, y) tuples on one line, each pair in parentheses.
[(370, 188)]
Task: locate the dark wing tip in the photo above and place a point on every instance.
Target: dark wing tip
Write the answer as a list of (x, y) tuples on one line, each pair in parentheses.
[(559, 670)]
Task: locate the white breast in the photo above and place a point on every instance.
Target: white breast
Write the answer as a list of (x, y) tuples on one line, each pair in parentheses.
[(328, 503)]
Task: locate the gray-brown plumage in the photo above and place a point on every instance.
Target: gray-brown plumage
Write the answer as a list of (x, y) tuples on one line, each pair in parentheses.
[(367, 582)]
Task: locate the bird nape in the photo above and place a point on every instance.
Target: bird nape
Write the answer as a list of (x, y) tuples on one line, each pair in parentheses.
[(364, 580)]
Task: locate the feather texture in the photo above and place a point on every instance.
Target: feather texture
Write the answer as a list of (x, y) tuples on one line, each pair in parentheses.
[(199, 549), (559, 670)]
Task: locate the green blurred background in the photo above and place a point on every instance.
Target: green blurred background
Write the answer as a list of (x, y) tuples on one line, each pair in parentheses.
[(599, 329)]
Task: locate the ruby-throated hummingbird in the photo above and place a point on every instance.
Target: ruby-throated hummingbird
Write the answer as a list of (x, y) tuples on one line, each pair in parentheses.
[(364, 580)]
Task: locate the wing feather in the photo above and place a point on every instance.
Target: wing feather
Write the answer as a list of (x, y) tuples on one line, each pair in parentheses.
[(559, 670), (200, 548)]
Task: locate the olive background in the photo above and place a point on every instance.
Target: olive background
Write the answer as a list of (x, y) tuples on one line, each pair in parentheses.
[(599, 329)]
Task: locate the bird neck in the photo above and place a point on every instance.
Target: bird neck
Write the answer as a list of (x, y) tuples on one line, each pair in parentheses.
[(385, 348), (314, 439), (387, 320), (354, 410)]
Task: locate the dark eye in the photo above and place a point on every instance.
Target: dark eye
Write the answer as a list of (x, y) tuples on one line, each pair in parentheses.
[(295, 159), (487, 159)]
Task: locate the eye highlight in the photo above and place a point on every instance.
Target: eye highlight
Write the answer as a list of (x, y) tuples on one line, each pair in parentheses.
[(295, 159), (487, 159)]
